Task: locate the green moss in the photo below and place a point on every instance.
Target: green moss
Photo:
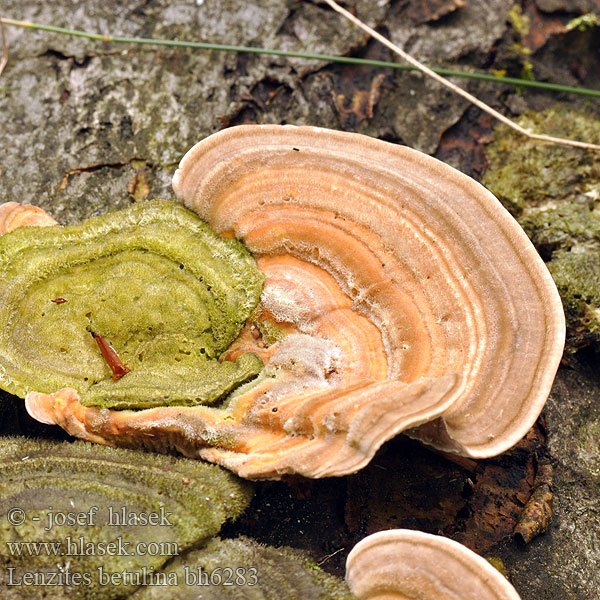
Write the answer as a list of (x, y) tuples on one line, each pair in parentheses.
[(577, 277), (584, 22), (527, 71), (164, 290), (525, 173), (95, 504), (497, 564), (562, 227), (520, 23), (554, 193)]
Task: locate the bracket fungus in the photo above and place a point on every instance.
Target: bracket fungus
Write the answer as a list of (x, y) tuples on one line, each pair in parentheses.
[(401, 564), (154, 280), (108, 518), (399, 295), (258, 572), (14, 215)]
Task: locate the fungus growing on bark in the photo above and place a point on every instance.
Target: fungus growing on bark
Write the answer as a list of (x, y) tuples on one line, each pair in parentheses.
[(14, 215), (258, 572), (154, 287), (402, 295), (101, 512), (401, 564)]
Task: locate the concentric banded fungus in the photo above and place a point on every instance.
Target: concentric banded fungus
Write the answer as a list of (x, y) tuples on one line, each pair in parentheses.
[(404, 294), (401, 564), (105, 511), (154, 281), (255, 572), (14, 215)]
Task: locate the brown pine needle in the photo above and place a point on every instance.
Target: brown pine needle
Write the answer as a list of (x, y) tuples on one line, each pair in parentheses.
[(456, 89), (111, 357)]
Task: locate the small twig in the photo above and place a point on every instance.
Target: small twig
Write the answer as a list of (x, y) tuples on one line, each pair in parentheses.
[(111, 357), (328, 556), (456, 89), (348, 60), (4, 47)]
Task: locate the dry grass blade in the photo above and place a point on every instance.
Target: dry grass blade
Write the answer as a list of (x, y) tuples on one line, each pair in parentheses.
[(4, 47), (458, 90)]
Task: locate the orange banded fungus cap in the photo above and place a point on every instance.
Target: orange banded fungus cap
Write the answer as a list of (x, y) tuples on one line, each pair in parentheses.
[(401, 564)]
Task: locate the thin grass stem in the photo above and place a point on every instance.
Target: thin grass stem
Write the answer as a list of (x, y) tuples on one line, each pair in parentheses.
[(513, 81)]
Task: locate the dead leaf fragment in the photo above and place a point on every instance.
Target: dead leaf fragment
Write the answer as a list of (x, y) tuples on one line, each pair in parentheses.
[(138, 187), (537, 514)]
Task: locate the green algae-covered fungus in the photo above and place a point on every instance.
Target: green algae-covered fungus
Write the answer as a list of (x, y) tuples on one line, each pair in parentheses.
[(89, 522), (242, 569), (154, 282), (554, 193)]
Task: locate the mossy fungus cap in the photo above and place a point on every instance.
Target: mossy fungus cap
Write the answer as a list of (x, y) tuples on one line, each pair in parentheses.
[(153, 280), (405, 297), (401, 564)]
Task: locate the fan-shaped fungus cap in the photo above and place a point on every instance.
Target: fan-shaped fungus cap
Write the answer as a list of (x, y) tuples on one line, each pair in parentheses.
[(14, 215), (426, 253), (409, 296), (400, 564)]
